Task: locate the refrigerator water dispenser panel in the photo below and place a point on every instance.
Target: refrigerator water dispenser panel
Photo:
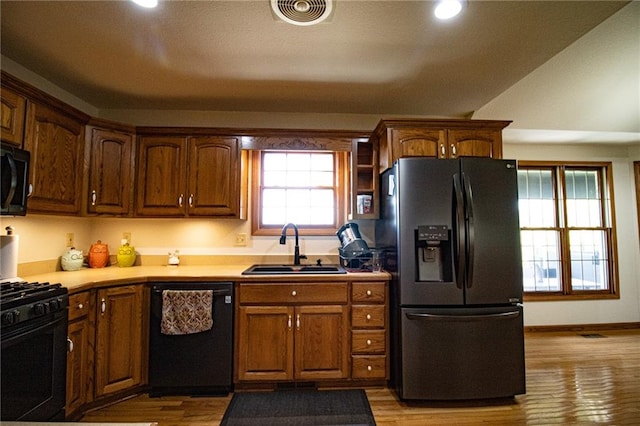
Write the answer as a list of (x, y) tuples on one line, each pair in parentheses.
[(433, 247)]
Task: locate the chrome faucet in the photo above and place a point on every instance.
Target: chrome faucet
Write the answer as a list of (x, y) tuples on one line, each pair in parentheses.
[(296, 250)]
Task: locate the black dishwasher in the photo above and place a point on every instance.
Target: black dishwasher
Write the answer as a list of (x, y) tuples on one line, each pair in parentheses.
[(196, 362)]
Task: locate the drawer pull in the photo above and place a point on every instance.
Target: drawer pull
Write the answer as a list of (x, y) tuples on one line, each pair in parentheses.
[(70, 344), (294, 293), (369, 293), (368, 342), (368, 317), (298, 321), (369, 368), (289, 322)]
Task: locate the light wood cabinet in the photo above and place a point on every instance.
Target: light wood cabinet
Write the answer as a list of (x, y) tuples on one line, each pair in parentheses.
[(369, 330), (188, 176), (110, 170), (80, 348), (437, 139), (292, 331), (13, 108), (56, 142), (119, 339)]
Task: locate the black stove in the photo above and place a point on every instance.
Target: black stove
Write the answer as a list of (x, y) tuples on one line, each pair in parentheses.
[(33, 335), (24, 301)]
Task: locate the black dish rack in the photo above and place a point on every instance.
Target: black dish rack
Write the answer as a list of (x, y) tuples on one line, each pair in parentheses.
[(356, 261)]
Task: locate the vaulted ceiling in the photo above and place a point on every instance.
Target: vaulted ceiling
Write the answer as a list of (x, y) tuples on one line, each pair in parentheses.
[(388, 58)]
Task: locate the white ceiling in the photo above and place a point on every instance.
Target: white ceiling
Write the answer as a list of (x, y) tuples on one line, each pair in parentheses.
[(386, 58)]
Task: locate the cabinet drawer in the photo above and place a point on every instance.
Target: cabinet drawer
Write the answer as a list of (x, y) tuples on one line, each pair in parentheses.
[(369, 367), (293, 293), (368, 342), (363, 316), (79, 305), (368, 292)]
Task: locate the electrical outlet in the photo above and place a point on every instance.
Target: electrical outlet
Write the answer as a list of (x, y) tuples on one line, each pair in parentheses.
[(127, 236), (241, 239), (69, 239)]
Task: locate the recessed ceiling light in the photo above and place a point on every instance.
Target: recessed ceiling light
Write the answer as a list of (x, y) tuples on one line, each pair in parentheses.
[(146, 3), (447, 9)]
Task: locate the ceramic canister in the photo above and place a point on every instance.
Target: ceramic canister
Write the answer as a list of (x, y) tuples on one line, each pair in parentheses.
[(72, 259), (98, 255), (126, 254)]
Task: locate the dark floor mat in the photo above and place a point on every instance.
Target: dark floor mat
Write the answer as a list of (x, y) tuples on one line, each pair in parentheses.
[(299, 407)]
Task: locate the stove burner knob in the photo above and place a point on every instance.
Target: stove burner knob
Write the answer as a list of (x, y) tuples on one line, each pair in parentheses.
[(40, 309), (54, 305), (10, 317)]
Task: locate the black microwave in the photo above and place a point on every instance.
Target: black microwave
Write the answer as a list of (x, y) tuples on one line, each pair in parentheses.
[(14, 168)]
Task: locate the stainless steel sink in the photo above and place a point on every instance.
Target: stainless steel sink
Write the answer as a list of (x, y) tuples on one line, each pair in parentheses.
[(293, 269)]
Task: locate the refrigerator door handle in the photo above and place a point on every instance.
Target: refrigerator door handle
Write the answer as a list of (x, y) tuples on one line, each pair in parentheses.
[(458, 221), (468, 193), (462, 318)]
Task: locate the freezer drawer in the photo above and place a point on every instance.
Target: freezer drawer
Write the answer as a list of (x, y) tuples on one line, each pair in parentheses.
[(452, 354)]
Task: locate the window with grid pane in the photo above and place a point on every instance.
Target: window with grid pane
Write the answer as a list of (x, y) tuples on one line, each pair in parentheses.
[(567, 229), (303, 187)]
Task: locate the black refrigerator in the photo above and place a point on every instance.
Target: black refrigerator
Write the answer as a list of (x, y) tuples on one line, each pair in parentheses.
[(451, 239)]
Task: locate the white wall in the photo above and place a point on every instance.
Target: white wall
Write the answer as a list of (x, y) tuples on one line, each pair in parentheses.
[(627, 308)]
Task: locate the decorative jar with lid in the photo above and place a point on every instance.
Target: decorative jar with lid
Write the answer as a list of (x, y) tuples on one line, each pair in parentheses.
[(126, 254), (98, 255), (72, 259)]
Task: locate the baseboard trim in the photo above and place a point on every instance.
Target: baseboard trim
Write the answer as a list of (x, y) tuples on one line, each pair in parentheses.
[(581, 327)]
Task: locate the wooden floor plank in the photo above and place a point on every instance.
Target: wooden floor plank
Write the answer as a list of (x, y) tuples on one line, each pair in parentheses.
[(571, 379)]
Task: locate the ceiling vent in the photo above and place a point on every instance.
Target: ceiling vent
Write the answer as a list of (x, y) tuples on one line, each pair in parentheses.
[(302, 12)]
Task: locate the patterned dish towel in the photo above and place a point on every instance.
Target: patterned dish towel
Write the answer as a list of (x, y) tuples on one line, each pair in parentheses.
[(186, 311)]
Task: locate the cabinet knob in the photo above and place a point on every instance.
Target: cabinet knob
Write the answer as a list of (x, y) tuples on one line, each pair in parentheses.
[(294, 293), (368, 316), (191, 200), (70, 344), (369, 368), (94, 197), (298, 321), (180, 198), (453, 149), (289, 322), (443, 150), (103, 306), (368, 342), (80, 306), (369, 293)]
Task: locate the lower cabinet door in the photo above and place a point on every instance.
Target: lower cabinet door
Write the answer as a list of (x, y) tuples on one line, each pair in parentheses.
[(119, 346), (77, 365), (322, 342), (265, 343)]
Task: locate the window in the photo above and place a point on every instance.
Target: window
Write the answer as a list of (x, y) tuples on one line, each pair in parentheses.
[(308, 188), (567, 230)]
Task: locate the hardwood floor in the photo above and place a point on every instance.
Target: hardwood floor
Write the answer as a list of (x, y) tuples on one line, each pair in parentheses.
[(571, 379)]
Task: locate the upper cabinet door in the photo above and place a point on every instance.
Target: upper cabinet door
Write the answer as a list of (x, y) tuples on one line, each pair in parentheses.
[(214, 176), (161, 176), (110, 172), (56, 143), (418, 143), (475, 143), (12, 116)]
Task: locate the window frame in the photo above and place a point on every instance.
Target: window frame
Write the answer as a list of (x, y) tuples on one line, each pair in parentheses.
[(341, 196), (608, 226)]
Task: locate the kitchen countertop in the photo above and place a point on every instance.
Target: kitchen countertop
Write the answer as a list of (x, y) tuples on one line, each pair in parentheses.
[(87, 278)]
